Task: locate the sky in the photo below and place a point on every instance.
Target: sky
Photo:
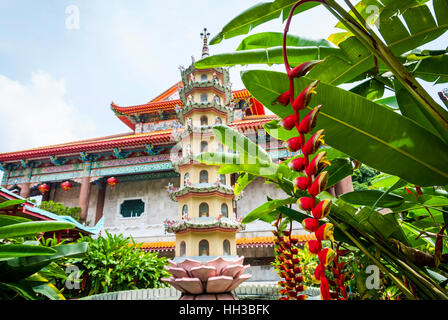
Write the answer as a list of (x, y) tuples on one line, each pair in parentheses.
[(57, 81)]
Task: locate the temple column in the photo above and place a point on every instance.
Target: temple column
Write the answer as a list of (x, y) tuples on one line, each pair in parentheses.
[(84, 197), (344, 186), (84, 192), (100, 200), (25, 187), (25, 190)]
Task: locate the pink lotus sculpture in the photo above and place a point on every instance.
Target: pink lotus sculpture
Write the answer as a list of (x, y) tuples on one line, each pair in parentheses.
[(212, 280)]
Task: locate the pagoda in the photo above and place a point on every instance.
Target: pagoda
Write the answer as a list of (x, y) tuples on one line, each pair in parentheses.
[(207, 223)]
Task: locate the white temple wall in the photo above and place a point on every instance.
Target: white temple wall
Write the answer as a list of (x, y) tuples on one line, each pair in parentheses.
[(254, 195), (158, 207)]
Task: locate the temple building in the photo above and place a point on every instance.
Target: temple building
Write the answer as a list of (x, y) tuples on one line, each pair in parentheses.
[(177, 207)]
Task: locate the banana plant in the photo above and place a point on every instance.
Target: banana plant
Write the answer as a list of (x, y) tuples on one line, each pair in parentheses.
[(21, 261)]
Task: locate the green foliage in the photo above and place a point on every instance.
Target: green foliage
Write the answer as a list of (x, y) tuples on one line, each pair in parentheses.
[(23, 263), (115, 263), (363, 176), (61, 210), (404, 136)]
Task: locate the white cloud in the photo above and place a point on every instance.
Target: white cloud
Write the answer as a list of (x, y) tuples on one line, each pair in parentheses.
[(37, 113)]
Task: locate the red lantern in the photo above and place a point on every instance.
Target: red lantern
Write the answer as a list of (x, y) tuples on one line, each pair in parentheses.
[(67, 185), (43, 188), (112, 181)]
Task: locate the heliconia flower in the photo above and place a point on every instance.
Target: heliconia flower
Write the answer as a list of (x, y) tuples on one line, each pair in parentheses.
[(297, 270), (309, 121), (325, 232), (295, 144), (297, 164), (322, 209), (294, 251), (304, 98), (283, 99), (303, 68), (326, 256), (307, 203), (324, 289), (301, 183), (302, 297), (301, 287), (298, 279), (313, 246), (296, 260), (319, 184), (317, 164), (314, 143), (289, 122), (319, 272), (310, 224)]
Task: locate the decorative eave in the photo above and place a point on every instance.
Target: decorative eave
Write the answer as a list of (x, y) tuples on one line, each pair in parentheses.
[(200, 189), (107, 143), (203, 224)]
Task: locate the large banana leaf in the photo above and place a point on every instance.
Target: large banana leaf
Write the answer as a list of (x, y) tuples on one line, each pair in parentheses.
[(265, 40), (257, 15), (268, 56), (364, 130), (20, 268), (28, 228), (20, 250)]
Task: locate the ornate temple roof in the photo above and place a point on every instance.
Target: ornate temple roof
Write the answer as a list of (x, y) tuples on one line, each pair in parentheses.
[(125, 140)]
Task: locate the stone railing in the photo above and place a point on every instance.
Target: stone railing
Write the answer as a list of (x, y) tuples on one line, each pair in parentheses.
[(246, 291)]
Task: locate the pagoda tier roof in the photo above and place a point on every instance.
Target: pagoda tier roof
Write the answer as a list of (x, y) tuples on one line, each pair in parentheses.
[(240, 243), (124, 140), (157, 105)]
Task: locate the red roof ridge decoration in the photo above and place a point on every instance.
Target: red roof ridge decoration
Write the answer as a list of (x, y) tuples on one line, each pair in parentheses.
[(164, 95)]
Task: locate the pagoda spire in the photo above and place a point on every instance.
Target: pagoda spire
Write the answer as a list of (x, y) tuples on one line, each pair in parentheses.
[(204, 36)]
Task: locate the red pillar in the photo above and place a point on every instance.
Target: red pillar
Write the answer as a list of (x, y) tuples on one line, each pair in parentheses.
[(344, 186), (84, 197), (25, 190), (100, 201)]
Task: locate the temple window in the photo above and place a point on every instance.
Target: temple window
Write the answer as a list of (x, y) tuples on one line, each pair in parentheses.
[(204, 97), (204, 146), (222, 178), (186, 178), (183, 249), (184, 211), (204, 248), (204, 120), (225, 210), (203, 77), (203, 176), (132, 208), (203, 210), (226, 247)]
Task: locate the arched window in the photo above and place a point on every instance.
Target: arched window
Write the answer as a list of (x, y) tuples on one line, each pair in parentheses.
[(222, 178), (226, 247), (203, 176), (203, 77), (183, 249), (204, 146), (186, 178), (218, 120), (204, 121), (185, 211), (203, 209), (204, 248), (225, 210), (204, 97)]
